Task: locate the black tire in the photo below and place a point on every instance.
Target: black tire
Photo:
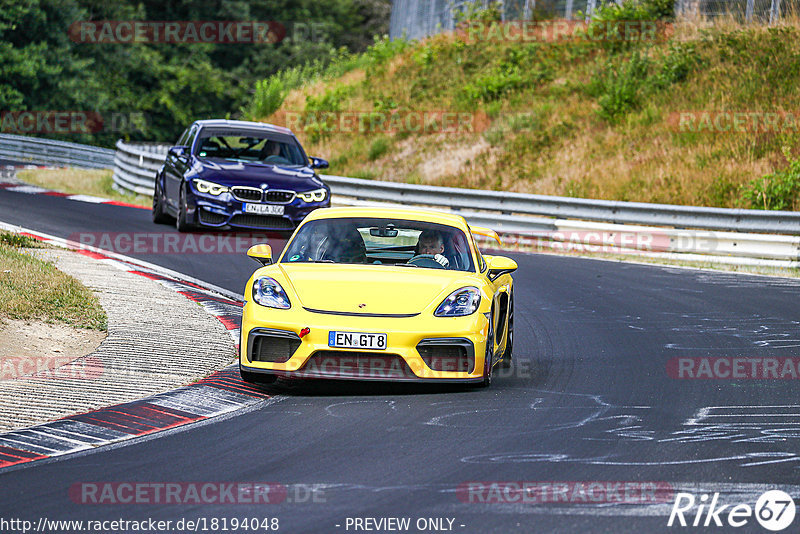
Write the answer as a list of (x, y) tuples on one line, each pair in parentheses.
[(180, 220), (487, 358), (159, 215), (257, 378), (507, 354)]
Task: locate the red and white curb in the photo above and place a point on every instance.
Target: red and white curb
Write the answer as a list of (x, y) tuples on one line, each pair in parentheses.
[(18, 187), (221, 393)]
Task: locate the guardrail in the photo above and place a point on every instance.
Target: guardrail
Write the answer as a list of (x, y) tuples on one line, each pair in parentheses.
[(40, 151), (136, 165)]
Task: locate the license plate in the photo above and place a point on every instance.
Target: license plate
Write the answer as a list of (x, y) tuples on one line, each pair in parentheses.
[(356, 340), (264, 209)]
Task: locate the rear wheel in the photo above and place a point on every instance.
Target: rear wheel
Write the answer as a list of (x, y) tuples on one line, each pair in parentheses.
[(183, 207), (159, 216)]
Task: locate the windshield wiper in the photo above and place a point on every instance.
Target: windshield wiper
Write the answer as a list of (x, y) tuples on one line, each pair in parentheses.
[(405, 265)]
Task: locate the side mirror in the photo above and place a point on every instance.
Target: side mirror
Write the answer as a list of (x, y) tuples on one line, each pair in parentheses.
[(179, 152), (261, 253), (499, 265), (319, 163)]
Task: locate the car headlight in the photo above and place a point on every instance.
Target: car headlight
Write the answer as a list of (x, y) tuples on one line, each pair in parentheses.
[(268, 292), (460, 302), (210, 187), (318, 195)]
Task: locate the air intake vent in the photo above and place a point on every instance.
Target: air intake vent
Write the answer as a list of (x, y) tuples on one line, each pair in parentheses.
[(246, 194), (273, 346)]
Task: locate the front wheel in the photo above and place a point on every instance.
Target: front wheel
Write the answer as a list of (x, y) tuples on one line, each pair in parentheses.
[(506, 361), (159, 216), (180, 221), (489, 356), (257, 378)]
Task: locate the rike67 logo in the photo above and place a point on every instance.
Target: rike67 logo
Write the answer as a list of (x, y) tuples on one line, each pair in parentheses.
[(774, 510)]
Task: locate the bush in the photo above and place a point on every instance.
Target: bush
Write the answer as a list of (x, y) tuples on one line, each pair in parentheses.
[(620, 86), (271, 92), (777, 191), (378, 148)]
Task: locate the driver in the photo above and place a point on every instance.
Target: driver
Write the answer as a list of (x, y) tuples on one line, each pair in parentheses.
[(271, 151), (430, 243)]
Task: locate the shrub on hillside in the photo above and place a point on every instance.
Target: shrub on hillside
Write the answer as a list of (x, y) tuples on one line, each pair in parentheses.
[(779, 190)]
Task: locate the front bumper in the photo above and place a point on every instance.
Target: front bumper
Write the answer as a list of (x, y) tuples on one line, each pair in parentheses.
[(226, 212), (419, 349)]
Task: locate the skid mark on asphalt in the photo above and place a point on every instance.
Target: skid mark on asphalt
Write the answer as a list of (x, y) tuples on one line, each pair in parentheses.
[(777, 427)]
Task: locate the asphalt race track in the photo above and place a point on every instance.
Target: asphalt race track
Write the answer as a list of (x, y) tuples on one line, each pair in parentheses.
[(593, 398)]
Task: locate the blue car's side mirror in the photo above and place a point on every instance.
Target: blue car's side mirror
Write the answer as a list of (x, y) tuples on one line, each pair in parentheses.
[(179, 151), (319, 163)]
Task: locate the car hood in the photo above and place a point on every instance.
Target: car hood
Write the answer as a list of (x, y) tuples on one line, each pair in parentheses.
[(231, 173), (369, 288)]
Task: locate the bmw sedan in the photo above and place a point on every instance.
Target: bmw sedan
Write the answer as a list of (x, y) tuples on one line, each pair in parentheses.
[(235, 174)]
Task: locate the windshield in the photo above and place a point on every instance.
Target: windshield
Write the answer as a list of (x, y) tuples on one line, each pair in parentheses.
[(259, 147), (379, 241)]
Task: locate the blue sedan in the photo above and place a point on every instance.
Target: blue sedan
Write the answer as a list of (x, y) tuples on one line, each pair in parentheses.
[(237, 174)]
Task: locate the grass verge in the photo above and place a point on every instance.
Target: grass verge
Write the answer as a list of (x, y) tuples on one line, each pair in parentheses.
[(94, 182), (33, 289)]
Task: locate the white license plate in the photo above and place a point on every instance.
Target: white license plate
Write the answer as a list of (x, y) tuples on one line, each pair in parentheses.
[(356, 340), (263, 209)]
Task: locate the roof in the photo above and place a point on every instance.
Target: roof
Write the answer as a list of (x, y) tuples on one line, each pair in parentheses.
[(415, 214), (242, 124)]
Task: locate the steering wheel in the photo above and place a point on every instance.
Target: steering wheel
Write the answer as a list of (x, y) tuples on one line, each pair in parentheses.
[(426, 260)]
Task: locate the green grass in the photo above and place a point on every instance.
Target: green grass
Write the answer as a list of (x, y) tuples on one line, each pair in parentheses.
[(32, 289), (74, 181)]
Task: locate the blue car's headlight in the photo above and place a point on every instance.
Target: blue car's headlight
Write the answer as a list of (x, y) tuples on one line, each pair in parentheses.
[(318, 195), (211, 188), (460, 302), (268, 292)]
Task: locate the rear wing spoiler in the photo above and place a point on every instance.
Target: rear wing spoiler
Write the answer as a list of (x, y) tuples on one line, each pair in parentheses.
[(485, 232)]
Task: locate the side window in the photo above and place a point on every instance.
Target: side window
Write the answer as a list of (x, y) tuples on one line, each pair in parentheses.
[(481, 262), (182, 138), (190, 139)]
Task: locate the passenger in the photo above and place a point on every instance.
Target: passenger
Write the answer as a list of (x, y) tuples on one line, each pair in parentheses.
[(346, 246)]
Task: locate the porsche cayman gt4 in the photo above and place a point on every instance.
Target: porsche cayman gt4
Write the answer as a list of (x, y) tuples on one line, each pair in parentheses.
[(378, 294)]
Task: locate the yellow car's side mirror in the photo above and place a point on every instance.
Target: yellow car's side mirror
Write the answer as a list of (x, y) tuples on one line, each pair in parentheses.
[(500, 265), (261, 253)]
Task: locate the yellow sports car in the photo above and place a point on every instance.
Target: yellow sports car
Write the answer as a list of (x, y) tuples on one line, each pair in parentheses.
[(378, 294)]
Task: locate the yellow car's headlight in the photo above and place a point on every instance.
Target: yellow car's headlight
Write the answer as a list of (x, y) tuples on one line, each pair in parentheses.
[(461, 302), (268, 292), (318, 195), (210, 187)]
